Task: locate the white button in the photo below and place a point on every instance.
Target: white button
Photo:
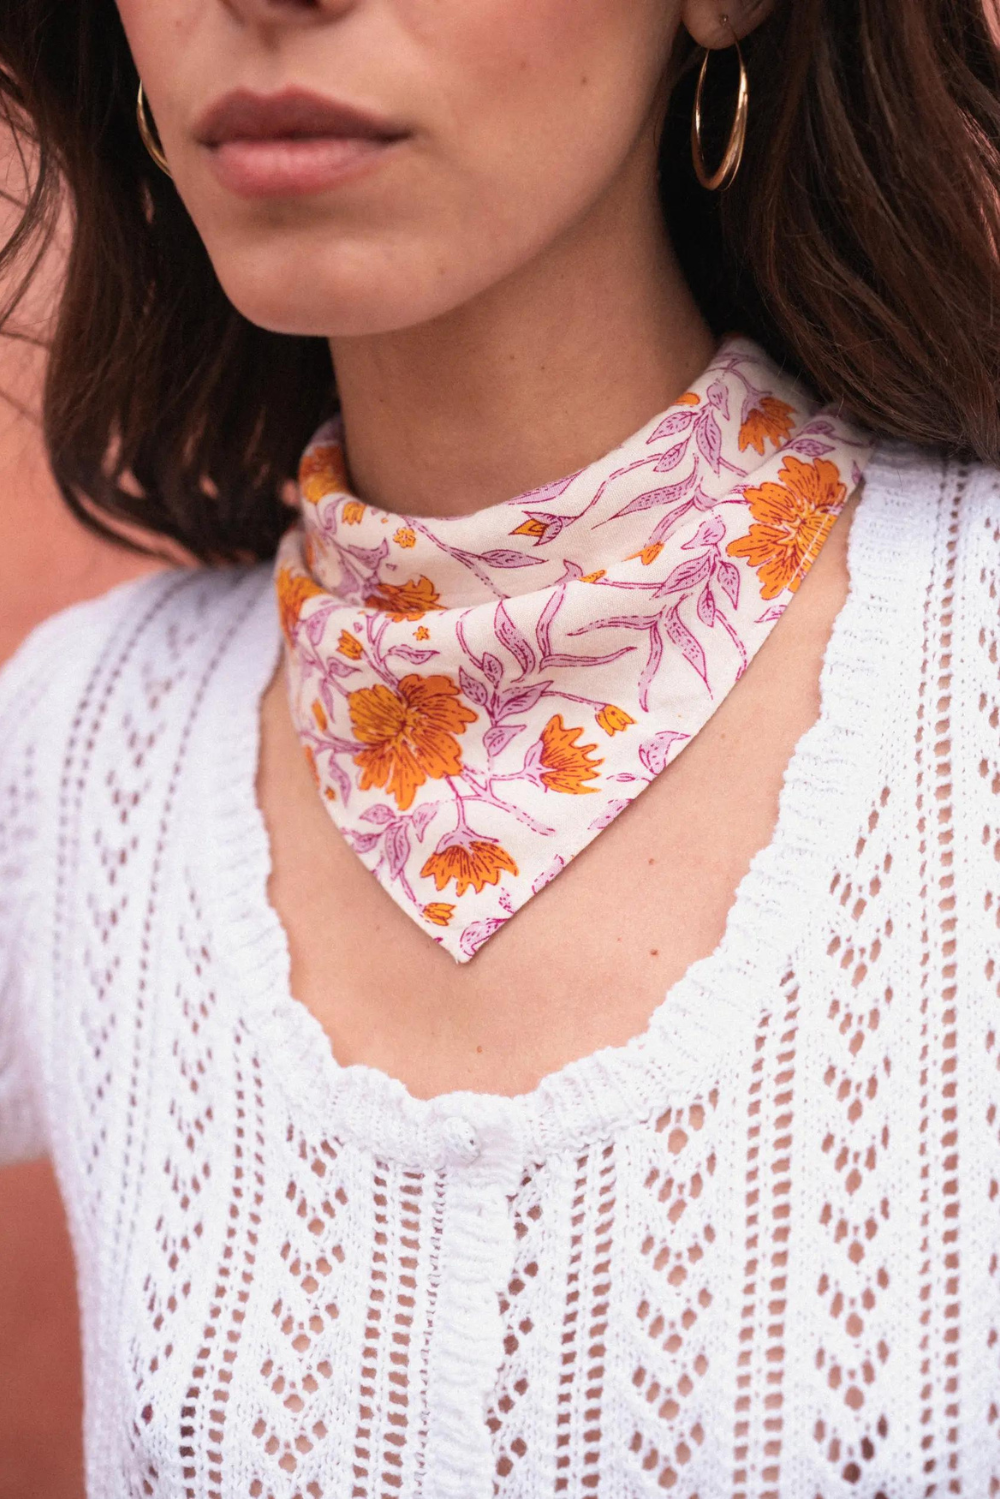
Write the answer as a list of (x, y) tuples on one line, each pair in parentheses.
[(461, 1140)]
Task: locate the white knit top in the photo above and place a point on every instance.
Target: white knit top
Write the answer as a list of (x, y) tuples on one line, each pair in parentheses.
[(755, 1251)]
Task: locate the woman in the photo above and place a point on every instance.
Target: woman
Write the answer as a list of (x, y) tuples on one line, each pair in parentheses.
[(634, 1130)]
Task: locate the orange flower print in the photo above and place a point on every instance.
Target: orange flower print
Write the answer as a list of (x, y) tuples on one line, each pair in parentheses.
[(649, 553), (322, 472), (689, 398), (531, 528), (405, 601), (770, 418), (791, 520), (293, 591), (404, 537), (319, 714), (438, 912), (409, 734), (593, 577), (568, 764), (349, 645), (353, 512), (476, 863), (421, 633), (613, 720)]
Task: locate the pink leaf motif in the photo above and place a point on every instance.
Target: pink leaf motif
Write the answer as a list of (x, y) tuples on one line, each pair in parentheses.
[(655, 753), (499, 737), (362, 843), (609, 815), (493, 667), (520, 700), (397, 848), (708, 435), (411, 653), (476, 934), (774, 613), (550, 874), (719, 397), (334, 667), (315, 623), (667, 494), (651, 668), (476, 691), (703, 501), (545, 619), (378, 814), (369, 557), (676, 422), (729, 577), (711, 531), (502, 557), (670, 459), (514, 640), (706, 605), (533, 758), (686, 643), (686, 575), (420, 818), (549, 491), (811, 448), (342, 779), (666, 524), (345, 747)]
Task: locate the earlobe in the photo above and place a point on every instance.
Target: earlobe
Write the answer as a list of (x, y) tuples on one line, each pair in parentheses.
[(713, 22)]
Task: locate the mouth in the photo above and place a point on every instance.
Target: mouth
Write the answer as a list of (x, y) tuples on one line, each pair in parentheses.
[(292, 143)]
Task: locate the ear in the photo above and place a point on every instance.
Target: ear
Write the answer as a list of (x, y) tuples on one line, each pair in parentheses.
[(712, 22)]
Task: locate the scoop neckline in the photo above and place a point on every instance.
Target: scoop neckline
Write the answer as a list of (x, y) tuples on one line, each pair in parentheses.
[(710, 1011)]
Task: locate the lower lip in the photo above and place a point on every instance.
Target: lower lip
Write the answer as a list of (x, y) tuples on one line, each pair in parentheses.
[(281, 168)]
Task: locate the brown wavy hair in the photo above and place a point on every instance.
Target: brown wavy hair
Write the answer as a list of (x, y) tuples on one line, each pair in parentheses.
[(858, 245)]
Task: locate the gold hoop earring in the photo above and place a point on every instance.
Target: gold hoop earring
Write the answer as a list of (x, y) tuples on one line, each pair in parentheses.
[(730, 164), (148, 139)]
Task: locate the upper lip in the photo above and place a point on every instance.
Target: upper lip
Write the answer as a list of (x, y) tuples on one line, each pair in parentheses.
[(244, 115)]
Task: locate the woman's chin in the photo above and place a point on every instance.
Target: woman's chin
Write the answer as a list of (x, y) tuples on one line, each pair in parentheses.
[(337, 312), (341, 307)]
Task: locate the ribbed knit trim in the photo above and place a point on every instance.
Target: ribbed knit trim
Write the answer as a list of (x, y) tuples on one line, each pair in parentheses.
[(716, 1004)]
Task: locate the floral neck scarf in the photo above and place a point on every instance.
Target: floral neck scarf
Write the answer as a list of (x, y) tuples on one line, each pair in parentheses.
[(479, 696)]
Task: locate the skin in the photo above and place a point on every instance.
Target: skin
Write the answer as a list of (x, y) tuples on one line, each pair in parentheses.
[(471, 289)]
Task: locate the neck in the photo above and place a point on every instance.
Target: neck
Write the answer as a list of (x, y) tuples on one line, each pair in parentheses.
[(530, 380)]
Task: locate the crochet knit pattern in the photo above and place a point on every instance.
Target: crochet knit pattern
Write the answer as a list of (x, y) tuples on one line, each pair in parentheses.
[(753, 1252)]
